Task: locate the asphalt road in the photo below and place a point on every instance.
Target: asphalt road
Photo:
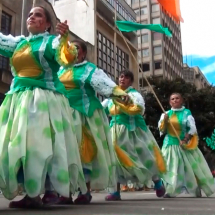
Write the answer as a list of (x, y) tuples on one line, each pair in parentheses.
[(133, 203)]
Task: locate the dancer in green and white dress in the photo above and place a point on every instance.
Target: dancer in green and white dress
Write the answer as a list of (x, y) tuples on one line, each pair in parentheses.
[(186, 166), (139, 158), (37, 139), (82, 81)]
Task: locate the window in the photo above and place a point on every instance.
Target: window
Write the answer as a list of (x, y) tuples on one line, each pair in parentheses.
[(122, 11), (6, 20), (137, 1), (145, 67), (157, 50), (143, 11), (145, 52), (105, 54), (158, 65), (156, 21), (155, 8), (6, 23), (157, 36), (145, 38)]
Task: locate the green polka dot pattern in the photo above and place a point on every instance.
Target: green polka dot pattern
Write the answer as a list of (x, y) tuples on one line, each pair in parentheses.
[(187, 170)]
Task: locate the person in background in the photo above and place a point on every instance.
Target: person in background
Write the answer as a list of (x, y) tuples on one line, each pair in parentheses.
[(139, 159), (186, 166)]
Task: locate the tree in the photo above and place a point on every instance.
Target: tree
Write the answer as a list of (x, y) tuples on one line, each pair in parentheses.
[(200, 102)]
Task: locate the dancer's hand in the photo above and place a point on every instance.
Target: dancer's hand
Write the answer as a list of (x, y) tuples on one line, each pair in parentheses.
[(182, 142), (62, 28), (126, 99), (166, 118)]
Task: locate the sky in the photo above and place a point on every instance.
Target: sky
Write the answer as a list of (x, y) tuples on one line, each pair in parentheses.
[(198, 35)]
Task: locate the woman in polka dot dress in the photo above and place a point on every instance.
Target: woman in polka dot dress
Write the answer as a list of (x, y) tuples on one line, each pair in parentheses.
[(91, 125), (186, 166), (139, 158), (37, 139)]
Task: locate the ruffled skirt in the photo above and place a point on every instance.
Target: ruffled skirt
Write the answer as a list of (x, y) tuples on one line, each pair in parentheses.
[(187, 168), (96, 148), (138, 155), (36, 137)]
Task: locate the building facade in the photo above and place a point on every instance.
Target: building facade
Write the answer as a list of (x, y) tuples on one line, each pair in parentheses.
[(195, 76), (159, 55), (93, 21)]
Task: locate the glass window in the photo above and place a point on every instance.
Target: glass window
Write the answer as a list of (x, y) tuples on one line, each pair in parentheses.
[(155, 8), (144, 11), (146, 67), (158, 65), (105, 54), (6, 20), (145, 38), (145, 52), (157, 36), (157, 50), (156, 21)]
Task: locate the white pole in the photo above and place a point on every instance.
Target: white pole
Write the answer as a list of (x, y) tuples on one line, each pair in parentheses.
[(23, 16)]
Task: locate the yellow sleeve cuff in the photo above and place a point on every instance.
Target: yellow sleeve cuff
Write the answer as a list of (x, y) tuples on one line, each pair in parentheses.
[(162, 127), (66, 54), (117, 91), (193, 143), (129, 109)]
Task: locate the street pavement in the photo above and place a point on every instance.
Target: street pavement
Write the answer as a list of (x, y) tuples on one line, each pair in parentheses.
[(133, 203)]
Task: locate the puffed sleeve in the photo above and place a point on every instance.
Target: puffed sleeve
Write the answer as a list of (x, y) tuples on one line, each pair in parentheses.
[(105, 106), (162, 125), (102, 84), (66, 53), (8, 44)]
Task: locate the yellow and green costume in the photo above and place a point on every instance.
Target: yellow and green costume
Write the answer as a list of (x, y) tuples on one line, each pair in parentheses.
[(36, 133), (91, 125), (138, 155), (186, 166)]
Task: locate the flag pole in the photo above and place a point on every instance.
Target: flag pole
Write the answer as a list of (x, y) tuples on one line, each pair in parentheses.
[(115, 29), (23, 17), (34, 3), (141, 54)]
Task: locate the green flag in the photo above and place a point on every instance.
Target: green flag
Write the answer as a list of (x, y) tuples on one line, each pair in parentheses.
[(133, 26)]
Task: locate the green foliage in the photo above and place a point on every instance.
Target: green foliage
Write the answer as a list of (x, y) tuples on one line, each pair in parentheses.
[(200, 102), (211, 141)]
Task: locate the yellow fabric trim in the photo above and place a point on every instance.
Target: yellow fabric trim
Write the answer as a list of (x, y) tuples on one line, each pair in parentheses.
[(66, 54), (193, 143), (88, 149), (25, 64), (67, 79), (129, 109), (114, 110), (163, 126), (123, 158), (161, 164), (117, 91), (174, 120)]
